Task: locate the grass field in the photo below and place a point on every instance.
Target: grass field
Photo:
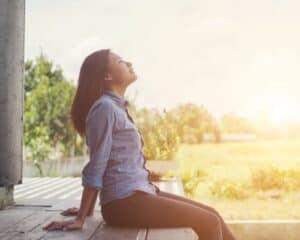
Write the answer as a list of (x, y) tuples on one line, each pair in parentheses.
[(227, 168)]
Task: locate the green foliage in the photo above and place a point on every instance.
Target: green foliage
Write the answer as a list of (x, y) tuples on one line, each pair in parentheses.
[(38, 147), (255, 169), (36, 70), (159, 134), (269, 178), (47, 123), (225, 188), (190, 177), (275, 178), (192, 121), (158, 131), (163, 132)]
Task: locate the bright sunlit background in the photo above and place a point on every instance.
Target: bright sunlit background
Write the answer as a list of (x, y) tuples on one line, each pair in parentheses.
[(230, 56), (227, 71)]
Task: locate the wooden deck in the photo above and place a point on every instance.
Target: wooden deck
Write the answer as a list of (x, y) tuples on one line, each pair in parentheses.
[(39, 201)]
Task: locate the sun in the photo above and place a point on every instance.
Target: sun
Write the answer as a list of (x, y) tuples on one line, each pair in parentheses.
[(281, 110), (275, 109), (276, 117)]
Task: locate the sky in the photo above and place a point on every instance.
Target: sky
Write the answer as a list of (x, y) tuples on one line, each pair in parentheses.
[(233, 56)]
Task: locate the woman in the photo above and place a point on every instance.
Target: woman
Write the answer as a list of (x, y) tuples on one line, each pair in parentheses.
[(117, 165)]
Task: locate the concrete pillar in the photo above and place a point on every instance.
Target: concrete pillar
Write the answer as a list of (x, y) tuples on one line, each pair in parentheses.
[(12, 26)]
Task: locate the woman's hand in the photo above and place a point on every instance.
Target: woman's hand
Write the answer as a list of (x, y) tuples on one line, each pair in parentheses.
[(73, 211), (64, 225), (70, 212), (155, 176)]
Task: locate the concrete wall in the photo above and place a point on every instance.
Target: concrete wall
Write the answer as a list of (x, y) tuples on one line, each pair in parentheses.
[(12, 27)]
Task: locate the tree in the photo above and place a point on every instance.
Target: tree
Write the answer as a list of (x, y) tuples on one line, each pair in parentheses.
[(158, 130), (192, 122), (47, 123)]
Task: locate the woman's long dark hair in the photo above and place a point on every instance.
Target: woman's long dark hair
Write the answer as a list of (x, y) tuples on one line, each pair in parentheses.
[(90, 87)]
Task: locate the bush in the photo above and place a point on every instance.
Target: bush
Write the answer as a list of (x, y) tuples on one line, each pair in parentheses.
[(159, 133), (191, 177), (275, 178), (224, 188)]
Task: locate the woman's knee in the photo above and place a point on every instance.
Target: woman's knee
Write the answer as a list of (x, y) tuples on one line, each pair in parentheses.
[(212, 222), (214, 211), (215, 220), (212, 229), (218, 215)]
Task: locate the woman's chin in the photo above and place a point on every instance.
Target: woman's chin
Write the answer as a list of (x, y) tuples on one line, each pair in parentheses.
[(134, 77), (132, 80)]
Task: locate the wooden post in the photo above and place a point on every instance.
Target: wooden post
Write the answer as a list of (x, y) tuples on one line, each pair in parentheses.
[(12, 19)]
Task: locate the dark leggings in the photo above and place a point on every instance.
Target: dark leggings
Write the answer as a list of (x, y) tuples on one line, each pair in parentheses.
[(166, 210)]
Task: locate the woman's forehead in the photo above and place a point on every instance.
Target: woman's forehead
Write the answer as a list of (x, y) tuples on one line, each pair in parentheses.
[(114, 55)]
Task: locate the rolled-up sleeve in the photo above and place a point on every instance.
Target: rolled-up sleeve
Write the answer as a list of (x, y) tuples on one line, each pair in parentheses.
[(99, 126)]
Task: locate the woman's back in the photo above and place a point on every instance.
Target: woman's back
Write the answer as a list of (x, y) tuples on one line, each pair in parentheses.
[(117, 164)]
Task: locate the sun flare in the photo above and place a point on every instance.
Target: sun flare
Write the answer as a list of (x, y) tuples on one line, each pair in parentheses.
[(274, 109)]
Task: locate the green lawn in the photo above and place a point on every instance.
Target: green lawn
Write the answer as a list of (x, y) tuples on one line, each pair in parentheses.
[(203, 164)]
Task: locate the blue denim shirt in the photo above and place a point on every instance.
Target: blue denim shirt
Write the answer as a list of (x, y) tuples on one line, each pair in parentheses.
[(116, 164)]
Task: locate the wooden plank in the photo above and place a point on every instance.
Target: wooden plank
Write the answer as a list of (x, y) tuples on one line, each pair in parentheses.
[(68, 203), (27, 228), (24, 222), (27, 224), (142, 234), (173, 186), (171, 233), (90, 225), (109, 232), (11, 216)]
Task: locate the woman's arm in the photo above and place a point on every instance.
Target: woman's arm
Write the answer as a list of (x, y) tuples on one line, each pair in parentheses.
[(88, 199), (99, 127), (92, 207), (89, 196)]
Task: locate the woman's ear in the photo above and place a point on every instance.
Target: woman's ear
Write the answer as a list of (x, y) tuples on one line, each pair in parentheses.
[(107, 77)]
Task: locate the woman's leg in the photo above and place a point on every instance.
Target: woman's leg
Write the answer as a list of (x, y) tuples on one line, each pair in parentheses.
[(227, 234), (148, 210)]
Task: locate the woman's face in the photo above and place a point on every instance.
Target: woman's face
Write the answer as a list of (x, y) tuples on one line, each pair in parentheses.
[(120, 72)]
